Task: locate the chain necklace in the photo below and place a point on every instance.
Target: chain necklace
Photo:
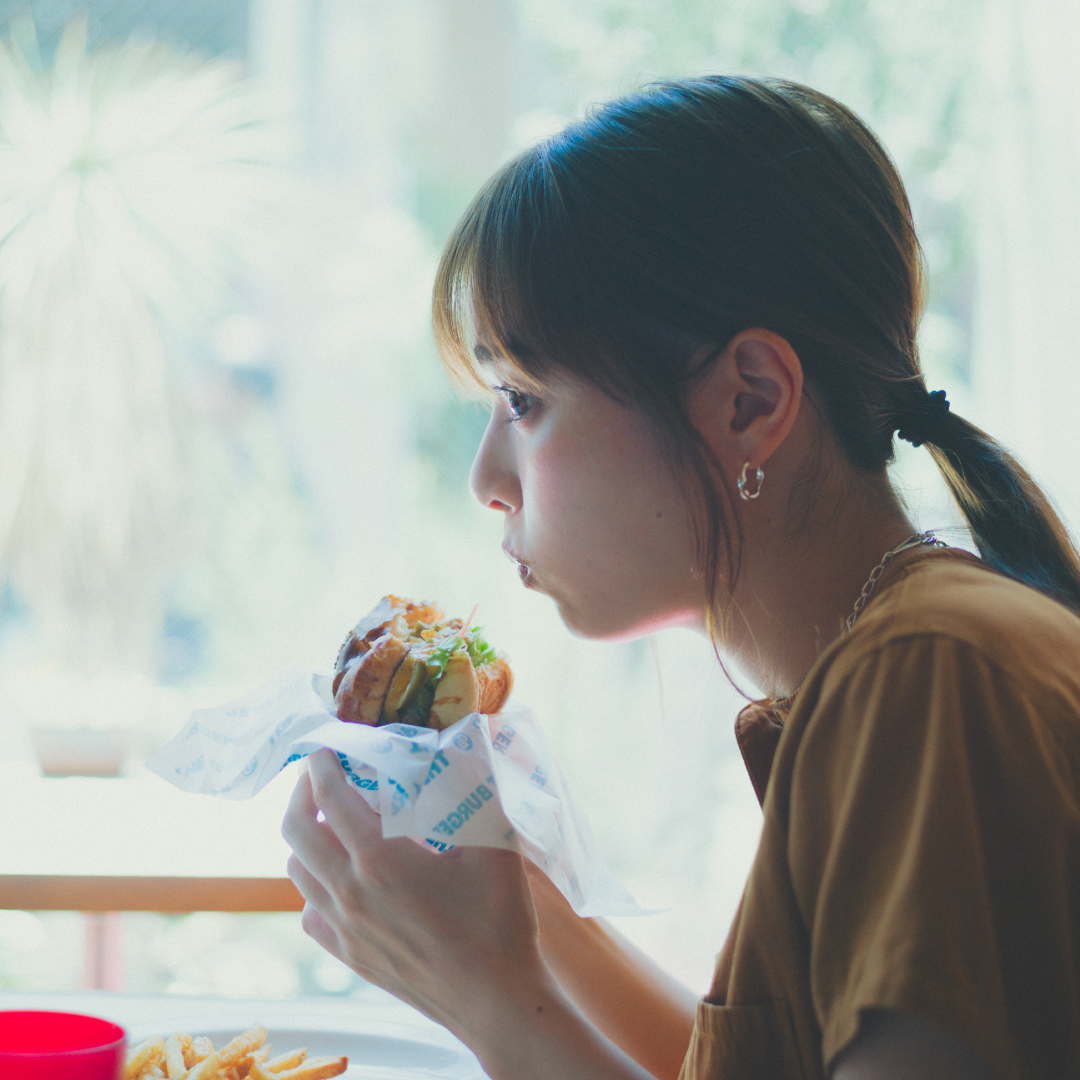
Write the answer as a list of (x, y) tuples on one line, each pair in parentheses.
[(915, 540)]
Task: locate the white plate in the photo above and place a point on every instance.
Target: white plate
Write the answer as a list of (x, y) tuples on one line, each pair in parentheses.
[(386, 1052)]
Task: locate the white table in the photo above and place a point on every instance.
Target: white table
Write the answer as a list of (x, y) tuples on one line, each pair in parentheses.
[(383, 1037)]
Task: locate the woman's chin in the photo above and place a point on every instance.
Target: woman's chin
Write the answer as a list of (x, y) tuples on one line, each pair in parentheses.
[(600, 622)]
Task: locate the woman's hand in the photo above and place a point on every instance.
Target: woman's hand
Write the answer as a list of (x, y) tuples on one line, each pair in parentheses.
[(442, 932), (454, 935)]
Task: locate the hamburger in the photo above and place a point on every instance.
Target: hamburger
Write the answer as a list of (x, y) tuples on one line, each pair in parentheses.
[(406, 663)]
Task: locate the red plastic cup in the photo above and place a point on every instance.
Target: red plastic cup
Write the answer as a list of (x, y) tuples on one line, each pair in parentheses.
[(55, 1045)]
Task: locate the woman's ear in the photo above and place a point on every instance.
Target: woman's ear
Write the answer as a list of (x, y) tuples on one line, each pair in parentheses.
[(747, 403)]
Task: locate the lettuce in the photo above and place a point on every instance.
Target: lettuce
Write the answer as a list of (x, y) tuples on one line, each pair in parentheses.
[(480, 652)]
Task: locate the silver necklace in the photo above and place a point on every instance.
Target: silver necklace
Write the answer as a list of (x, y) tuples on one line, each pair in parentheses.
[(915, 540)]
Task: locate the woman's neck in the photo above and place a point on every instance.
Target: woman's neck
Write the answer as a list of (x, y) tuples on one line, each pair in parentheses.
[(799, 581)]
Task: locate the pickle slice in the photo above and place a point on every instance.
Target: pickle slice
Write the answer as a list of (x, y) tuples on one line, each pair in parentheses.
[(407, 683)]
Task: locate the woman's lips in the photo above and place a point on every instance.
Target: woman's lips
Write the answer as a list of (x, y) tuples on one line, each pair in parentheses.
[(523, 568)]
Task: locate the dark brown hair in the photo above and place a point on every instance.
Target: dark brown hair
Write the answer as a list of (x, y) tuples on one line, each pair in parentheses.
[(670, 220)]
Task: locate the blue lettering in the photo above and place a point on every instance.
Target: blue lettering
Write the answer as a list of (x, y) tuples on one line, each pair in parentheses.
[(195, 766), (436, 766), (456, 818), (359, 781), (214, 736), (400, 798)]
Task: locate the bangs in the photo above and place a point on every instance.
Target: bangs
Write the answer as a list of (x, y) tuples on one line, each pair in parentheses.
[(509, 288), (482, 308)]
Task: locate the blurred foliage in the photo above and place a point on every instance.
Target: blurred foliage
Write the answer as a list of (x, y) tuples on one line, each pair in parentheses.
[(138, 183)]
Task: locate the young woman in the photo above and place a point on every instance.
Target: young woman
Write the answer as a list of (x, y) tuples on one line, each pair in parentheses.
[(696, 314)]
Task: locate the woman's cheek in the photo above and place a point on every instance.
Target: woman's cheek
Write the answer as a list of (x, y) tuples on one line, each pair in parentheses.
[(569, 492), (547, 503)]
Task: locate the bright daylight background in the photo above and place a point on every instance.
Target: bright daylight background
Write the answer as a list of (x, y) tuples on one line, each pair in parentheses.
[(223, 432)]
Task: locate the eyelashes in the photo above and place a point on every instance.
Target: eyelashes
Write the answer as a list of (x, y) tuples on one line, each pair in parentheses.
[(518, 403)]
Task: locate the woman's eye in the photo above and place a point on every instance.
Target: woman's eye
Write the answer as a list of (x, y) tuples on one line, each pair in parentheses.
[(517, 402)]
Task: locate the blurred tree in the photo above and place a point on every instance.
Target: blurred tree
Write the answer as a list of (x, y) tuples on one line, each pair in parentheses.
[(133, 183)]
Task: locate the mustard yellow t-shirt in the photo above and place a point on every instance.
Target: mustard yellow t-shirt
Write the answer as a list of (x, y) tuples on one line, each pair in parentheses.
[(921, 841)]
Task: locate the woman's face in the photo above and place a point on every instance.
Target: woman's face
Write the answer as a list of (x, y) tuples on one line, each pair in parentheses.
[(593, 516)]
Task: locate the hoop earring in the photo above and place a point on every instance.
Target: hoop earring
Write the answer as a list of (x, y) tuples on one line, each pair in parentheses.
[(759, 476)]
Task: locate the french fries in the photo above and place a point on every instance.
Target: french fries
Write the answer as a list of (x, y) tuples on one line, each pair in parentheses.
[(220, 1061), (247, 1057), (173, 1052), (311, 1069), (142, 1057)]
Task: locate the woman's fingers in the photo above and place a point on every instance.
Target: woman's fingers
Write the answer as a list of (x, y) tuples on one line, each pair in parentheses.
[(301, 804), (319, 930), (345, 810), (309, 886), (312, 840), (358, 826)]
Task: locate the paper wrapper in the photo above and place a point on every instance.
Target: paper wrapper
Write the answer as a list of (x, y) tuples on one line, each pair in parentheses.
[(487, 781)]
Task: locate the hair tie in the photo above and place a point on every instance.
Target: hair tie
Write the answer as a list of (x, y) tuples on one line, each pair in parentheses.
[(925, 419)]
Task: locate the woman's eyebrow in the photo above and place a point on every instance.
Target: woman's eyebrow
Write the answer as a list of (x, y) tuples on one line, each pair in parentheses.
[(484, 355)]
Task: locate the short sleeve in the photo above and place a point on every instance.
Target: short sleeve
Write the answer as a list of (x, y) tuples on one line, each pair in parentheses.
[(932, 846)]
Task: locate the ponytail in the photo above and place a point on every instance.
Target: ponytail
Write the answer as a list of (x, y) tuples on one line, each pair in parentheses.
[(1012, 522)]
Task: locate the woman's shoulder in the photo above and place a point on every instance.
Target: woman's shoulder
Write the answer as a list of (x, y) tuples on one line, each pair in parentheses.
[(953, 645), (954, 657), (951, 602)]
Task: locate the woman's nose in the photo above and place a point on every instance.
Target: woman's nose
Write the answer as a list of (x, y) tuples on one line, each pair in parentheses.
[(493, 479)]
